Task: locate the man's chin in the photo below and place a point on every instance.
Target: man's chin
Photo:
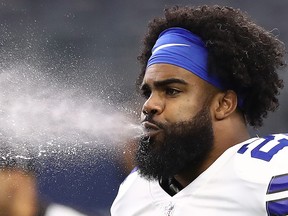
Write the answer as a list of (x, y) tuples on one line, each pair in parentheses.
[(148, 176), (173, 149)]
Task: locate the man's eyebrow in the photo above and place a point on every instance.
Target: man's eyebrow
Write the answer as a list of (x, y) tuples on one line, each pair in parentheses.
[(144, 86), (162, 83), (165, 82)]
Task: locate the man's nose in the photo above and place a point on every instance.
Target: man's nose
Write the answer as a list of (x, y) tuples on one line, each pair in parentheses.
[(154, 105)]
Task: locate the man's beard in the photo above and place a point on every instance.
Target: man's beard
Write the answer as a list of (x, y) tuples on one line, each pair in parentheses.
[(185, 146)]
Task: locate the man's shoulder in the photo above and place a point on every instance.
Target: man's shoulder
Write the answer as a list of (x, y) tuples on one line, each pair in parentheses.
[(263, 156), (134, 182), (133, 192), (131, 178)]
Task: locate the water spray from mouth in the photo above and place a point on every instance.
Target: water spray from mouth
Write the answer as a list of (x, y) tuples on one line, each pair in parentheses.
[(38, 114)]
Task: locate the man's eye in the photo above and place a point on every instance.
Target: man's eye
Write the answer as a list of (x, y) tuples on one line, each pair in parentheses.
[(171, 91), (146, 94)]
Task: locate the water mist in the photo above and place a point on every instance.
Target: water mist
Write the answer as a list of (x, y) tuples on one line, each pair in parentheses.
[(39, 117)]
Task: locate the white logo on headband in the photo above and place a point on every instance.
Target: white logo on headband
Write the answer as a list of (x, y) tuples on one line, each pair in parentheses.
[(167, 45)]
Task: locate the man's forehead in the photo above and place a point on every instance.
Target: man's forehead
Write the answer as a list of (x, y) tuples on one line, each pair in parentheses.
[(160, 72)]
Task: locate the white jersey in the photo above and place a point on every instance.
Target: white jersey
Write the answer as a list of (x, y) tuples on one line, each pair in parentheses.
[(248, 179)]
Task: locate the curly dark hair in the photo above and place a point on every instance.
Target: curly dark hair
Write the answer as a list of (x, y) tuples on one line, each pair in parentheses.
[(239, 52)]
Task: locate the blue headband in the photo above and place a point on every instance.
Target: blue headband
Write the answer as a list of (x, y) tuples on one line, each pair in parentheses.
[(180, 47)]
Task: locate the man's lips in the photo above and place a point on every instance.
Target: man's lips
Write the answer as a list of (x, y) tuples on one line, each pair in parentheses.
[(150, 128)]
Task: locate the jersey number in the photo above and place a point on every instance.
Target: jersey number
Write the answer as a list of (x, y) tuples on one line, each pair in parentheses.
[(266, 156)]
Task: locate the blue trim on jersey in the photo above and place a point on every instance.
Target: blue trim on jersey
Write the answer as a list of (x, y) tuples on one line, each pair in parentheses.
[(278, 184), (134, 170), (277, 207)]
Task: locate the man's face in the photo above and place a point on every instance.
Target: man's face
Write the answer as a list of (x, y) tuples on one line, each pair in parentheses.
[(177, 120)]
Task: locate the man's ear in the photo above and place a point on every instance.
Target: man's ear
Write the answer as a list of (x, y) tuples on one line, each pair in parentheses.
[(225, 103)]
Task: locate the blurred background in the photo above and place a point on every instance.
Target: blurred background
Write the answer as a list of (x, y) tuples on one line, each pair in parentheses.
[(92, 45)]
